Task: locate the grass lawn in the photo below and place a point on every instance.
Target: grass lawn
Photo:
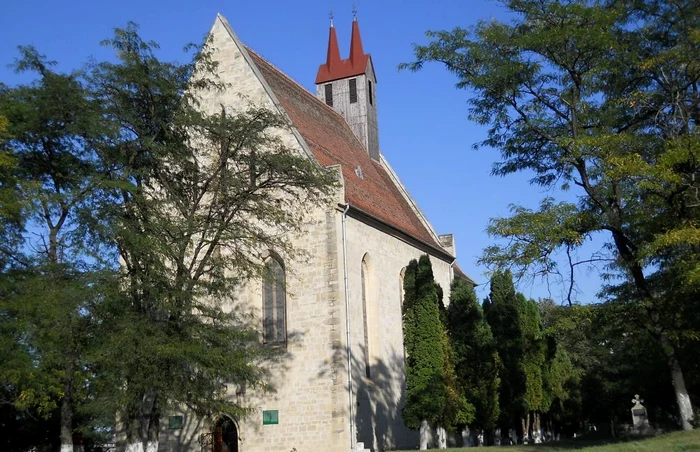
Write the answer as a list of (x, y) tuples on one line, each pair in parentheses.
[(670, 442)]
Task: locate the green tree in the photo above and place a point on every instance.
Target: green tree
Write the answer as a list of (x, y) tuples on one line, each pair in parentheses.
[(426, 388), (600, 96), (532, 364), (197, 200), (503, 316), (565, 330), (458, 410), (11, 218), (149, 212), (476, 360), (48, 173)]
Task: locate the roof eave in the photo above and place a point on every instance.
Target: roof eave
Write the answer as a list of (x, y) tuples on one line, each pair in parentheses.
[(400, 234)]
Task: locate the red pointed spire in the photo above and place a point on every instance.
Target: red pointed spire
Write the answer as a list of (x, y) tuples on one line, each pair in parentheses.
[(357, 53), (334, 68), (333, 56)]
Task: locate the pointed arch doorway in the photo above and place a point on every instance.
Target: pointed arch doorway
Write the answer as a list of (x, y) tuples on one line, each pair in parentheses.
[(225, 435)]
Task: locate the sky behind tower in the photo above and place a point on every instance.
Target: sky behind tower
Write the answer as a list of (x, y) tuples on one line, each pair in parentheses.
[(423, 128)]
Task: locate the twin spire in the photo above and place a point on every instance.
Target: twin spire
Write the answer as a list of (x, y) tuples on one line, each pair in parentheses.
[(334, 68)]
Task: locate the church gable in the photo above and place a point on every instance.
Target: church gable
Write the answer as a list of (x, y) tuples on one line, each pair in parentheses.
[(246, 85)]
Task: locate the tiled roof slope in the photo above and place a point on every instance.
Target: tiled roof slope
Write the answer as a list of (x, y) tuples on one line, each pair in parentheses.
[(332, 142)]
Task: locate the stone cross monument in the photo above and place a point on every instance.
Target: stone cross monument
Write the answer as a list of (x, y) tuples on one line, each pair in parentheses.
[(639, 414)]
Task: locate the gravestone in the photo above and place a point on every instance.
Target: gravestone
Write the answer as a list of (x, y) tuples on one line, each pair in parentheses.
[(467, 440), (513, 436), (639, 414), (441, 438), (537, 436)]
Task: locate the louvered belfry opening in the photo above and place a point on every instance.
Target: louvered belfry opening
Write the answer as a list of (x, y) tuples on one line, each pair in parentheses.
[(329, 94), (353, 90)]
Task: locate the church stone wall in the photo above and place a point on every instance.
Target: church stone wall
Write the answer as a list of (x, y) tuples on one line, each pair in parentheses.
[(379, 399), (309, 378), (310, 398)]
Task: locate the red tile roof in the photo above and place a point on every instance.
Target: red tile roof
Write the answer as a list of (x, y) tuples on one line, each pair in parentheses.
[(332, 142), (460, 273)]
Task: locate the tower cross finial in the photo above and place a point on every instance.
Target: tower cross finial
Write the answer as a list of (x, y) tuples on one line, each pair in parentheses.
[(330, 16), (354, 10)]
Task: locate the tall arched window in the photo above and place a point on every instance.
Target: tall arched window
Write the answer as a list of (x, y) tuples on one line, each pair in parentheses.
[(274, 303), (364, 274)]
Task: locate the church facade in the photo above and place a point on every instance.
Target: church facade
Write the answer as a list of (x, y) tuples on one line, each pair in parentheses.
[(337, 316)]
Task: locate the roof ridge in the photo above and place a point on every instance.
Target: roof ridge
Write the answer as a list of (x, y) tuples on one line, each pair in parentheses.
[(283, 74)]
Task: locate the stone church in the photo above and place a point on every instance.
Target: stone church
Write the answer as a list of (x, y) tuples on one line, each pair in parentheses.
[(338, 314)]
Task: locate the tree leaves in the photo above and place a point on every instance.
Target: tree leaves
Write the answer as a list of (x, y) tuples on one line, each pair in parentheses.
[(601, 96), (145, 213)]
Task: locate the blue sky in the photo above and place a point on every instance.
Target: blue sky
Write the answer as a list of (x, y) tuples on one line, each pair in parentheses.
[(423, 126)]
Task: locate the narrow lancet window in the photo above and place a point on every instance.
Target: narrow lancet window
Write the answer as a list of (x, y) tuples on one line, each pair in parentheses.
[(365, 299), (274, 303)]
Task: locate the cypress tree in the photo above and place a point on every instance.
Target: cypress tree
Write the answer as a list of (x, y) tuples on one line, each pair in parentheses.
[(475, 356), (533, 362), (503, 317), (458, 411), (425, 353)]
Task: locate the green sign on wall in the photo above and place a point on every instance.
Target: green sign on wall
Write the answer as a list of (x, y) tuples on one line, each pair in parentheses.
[(271, 417), (175, 422)]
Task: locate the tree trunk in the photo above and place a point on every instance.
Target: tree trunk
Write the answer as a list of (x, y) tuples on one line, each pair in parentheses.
[(67, 412), (466, 437), (612, 428), (442, 437), (134, 442), (153, 430), (685, 408), (536, 428), (526, 428), (134, 447), (424, 435), (142, 433)]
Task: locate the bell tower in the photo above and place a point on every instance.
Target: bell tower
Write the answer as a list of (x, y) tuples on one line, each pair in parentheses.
[(349, 87)]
